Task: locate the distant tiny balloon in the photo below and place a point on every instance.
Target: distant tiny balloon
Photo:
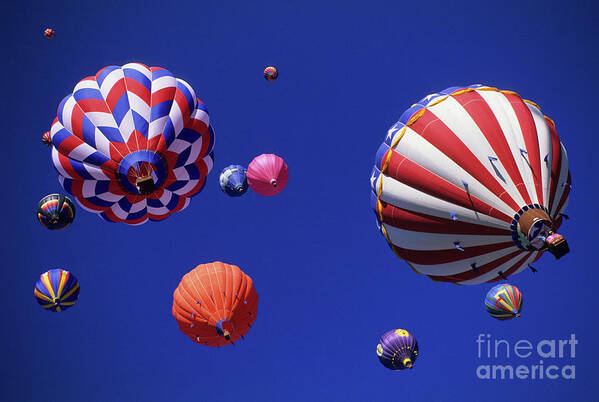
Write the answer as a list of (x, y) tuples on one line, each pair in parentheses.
[(49, 33), (267, 174), (55, 211), (397, 349), (504, 302), (233, 181), (271, 73), (47, 138), (56, 290)]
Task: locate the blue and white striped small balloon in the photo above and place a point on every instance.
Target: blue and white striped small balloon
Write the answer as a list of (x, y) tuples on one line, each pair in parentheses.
[(233, 181)]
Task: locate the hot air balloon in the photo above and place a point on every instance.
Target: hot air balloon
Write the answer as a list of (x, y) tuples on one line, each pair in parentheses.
[(49, 33), (267, 174), (270, 73), (397, 349), (504, 302), (215, 304), (471, 184), (47, 138), (132, 143), (55, 211), (233, 181), (56, 290)]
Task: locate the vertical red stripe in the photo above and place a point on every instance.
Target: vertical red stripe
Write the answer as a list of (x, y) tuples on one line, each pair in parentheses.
[(556, 162), (531, 141), (433, 130), (484, 118), (564, 196), (410, 173)]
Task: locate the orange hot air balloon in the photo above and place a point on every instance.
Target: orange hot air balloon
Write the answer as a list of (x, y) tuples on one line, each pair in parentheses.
[(215, 304), (49, 33)]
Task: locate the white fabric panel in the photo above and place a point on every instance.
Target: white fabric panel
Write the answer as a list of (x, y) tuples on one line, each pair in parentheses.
[(166, 81), (191, 91), (544, 138), (138, 206), (112, 78), (118, 211), (156, 127), (563, 178), (420, 151), (438, 241), (101, 119), (139, 67), (67, 112), (87, 83), (403, 196), (176, 117), (201, 115), (525, 265), (187, 188), (459, 121), (80, 152), (493, 274), (452, 268), (508, 121), (139, 105), (126, 128)]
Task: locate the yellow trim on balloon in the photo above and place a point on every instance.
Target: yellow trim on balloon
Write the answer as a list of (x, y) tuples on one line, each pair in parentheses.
[(70, 292), (411, 121)]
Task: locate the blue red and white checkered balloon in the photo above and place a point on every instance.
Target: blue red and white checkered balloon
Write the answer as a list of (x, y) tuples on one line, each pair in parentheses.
[(132, 143)]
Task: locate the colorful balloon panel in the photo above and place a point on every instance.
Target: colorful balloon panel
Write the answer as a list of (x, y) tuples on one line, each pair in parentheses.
[(267, 174), (270, 73), (56, 290), (233, 181), (132, 143), (504, 302), (55, 211), (215, 304), (397, 349), (49, 33), (47, 138), (469, 183)]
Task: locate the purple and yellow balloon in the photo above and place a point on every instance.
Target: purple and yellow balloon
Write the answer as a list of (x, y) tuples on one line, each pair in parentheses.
[(397, 349), (504, 302), (56, 290)]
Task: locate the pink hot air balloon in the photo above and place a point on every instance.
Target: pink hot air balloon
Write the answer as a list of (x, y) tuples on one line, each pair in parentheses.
[(267, 174)]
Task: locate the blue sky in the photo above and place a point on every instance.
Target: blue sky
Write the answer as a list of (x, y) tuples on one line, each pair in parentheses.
[(329, 286)]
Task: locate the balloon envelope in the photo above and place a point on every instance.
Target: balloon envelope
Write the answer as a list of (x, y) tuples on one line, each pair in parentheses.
[(233, 181), (267, 174), (55, 211), (469, 184), (47, 138), (56, 290), (271, 73), (504, 302), (132, 143), (397, 349), (215, 304)]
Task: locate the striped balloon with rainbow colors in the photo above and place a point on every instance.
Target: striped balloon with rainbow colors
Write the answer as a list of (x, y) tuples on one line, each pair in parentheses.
[(504, 302), (57, 290)]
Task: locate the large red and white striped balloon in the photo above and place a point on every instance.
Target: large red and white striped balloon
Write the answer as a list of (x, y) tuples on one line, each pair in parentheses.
[(470, 185)]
